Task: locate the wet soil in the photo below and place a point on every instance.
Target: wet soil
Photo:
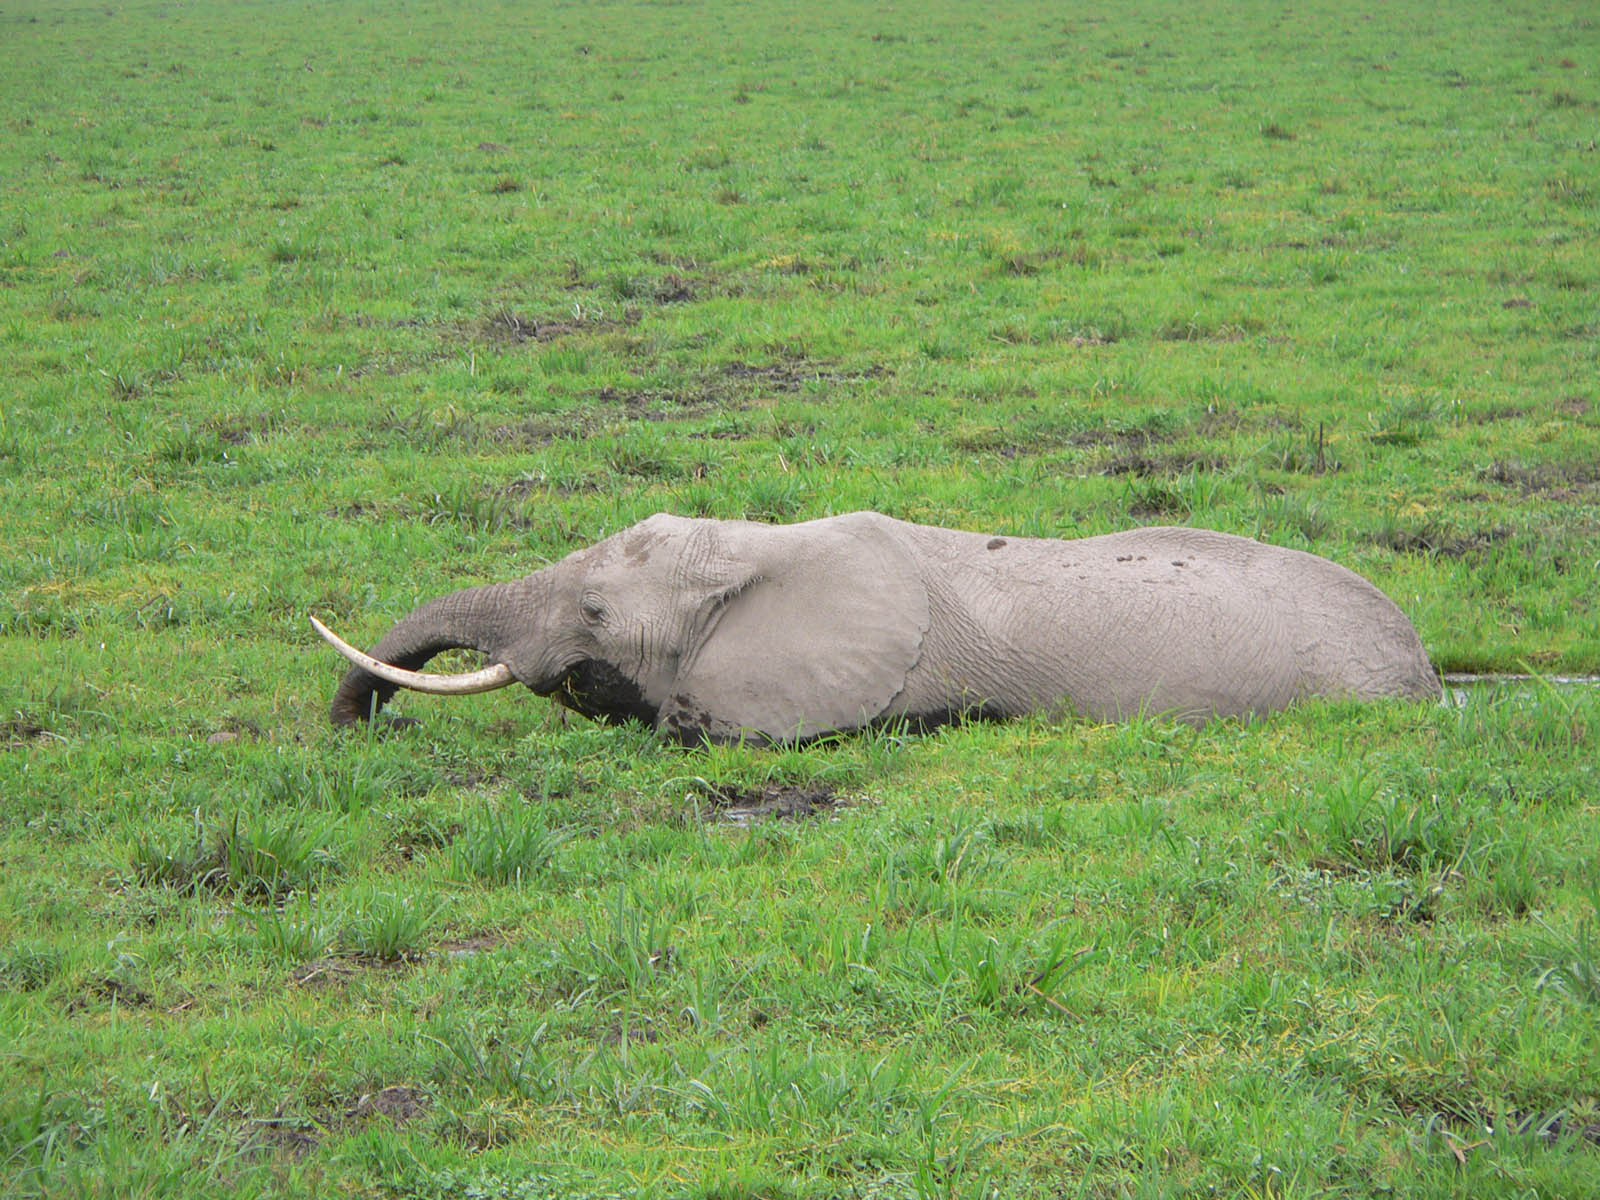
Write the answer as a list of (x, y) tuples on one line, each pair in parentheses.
[(1145, 465), (746, 806), (1554, 480), (397, 1103), (1471, 1124), (734, 387), (296, 1136), (280, 1136), (121, 992), (1043, 435), (22, 731), (468, 946), (324, 972), (507, 327), (1437, 543)]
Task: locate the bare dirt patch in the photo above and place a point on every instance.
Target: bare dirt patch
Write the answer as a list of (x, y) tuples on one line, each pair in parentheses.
[(1469, 1124), (793, 375), (324, 972), (1120, 437), (1197, 331), (234, 729), (1555, 480), (660, 405), (297, 1136), (534, 432), (674, 288), (1440, 543), (334, 970), (248, 428), (733, 387), (505, 326), (397, 1103), (21, 731), (1145, 465), (279, 1135), (468, 946), (110, 989), (1495, 412), (1040, 436)]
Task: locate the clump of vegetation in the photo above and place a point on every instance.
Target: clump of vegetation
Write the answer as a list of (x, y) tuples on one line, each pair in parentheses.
[(388, 926), (514, 849), (254, 856)]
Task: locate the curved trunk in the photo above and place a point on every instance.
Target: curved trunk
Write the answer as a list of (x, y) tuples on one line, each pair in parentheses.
[(488, 619)]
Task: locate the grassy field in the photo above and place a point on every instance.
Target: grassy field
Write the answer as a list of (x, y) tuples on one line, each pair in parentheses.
[(329, 308)]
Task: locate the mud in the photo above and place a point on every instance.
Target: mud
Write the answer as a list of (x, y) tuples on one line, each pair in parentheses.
[(741, 806), (295, 1137), (1554, 480), (397, 1103), (533, 432), (468, 946), (16, 732), (1469, 1124), (1437, 543), (735, 387), (1123, 438), (1144, 465), (507, 327), (793, 374), (324, 972), (660, 405), (674, 289), (112, 990), (280, 1136), (1043, 436), (247, 429)]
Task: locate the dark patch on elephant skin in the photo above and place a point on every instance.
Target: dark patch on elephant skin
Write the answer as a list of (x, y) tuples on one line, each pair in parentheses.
[(688, 726), (995, 544), (601, 692)]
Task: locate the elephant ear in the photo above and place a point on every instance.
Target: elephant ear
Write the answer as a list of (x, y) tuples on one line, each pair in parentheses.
[(817, 632)]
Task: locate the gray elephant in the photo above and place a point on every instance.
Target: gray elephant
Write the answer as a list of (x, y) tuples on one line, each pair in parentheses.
[(728, 630)]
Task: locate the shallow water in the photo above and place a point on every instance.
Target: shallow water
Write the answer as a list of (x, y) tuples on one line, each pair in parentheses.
[(1452, 679), (1459, 687)]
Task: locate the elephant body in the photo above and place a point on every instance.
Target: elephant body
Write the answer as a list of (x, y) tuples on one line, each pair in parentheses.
[(729, 630)]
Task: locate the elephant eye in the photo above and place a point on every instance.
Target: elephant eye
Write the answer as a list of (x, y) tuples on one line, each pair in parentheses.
[(591, 610)]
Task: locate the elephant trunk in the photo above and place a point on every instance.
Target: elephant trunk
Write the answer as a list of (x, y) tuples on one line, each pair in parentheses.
[(488, 619)]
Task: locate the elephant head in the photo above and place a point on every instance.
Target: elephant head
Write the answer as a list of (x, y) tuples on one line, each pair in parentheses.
[(707, 629)]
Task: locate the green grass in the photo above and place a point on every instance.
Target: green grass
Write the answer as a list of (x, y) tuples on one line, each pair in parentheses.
[(330, 309)]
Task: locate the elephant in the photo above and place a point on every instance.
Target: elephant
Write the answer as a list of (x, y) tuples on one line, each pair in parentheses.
[(728, 631)]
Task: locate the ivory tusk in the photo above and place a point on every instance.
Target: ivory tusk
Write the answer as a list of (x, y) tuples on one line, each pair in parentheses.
[(498, 675)]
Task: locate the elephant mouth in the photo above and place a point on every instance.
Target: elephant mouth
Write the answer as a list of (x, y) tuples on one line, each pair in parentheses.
[(600, 692)]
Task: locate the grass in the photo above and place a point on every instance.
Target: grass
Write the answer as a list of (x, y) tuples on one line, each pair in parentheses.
[(332, 309)]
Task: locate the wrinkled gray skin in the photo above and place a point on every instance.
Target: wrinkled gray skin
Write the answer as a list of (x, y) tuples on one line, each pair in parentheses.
[(722, 630)]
